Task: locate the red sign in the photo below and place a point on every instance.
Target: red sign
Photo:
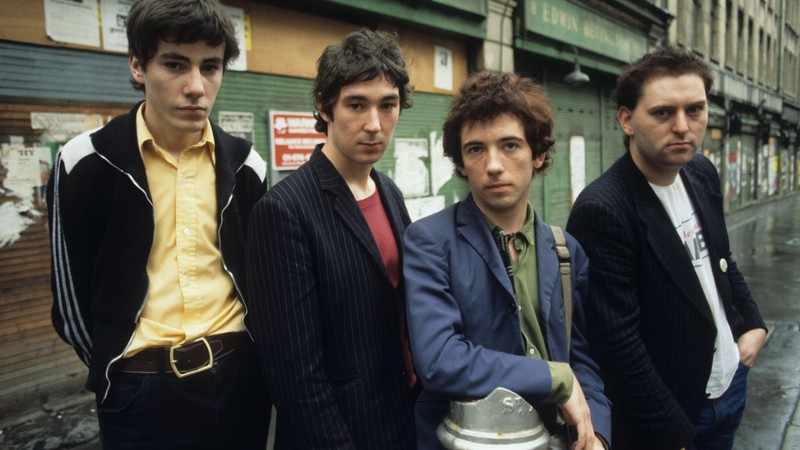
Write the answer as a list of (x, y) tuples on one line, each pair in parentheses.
[(293, 138)]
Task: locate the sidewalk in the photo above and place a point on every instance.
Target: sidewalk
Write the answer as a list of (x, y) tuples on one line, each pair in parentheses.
[(69, 423)]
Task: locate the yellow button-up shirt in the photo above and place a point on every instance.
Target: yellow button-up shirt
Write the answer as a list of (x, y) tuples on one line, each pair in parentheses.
[(190, 294)]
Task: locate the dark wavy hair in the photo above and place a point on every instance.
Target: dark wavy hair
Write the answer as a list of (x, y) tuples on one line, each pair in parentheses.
[(178, 21), (485, 96), (361, 56), (666, 61)]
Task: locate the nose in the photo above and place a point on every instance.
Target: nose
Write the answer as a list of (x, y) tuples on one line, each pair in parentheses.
[(494, 164), (194, 84), (372, 122), (681, 124)]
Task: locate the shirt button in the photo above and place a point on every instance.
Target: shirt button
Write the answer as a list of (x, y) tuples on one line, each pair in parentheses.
[(186, 231), (532, 351)]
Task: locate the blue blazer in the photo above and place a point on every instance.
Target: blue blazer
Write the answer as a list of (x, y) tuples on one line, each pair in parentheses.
[(464, 325), (325, 316), (653, 327)]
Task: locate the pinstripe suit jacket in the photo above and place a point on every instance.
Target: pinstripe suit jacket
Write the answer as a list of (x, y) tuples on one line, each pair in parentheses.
[(653, 327), (324, 314)]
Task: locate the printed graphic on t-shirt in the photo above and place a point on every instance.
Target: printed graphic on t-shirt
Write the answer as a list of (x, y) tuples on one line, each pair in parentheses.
[(692, 235)]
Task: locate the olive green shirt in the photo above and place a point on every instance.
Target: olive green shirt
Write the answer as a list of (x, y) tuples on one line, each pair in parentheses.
[(526, 286)]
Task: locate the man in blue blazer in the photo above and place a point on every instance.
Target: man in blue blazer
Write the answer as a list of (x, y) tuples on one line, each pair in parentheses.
[(326, 284), (483, 315), (674, 322)]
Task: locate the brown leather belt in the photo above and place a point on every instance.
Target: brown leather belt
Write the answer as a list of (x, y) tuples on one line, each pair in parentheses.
[(183, 360)]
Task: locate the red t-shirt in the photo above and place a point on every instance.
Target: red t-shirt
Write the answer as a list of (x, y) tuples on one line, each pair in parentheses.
[(381, 229)]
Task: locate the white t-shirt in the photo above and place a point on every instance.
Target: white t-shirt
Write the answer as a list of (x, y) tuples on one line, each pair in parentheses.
[(684, 218)]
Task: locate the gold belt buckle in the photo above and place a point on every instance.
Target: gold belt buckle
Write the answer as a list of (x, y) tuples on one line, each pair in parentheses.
[(207, 366)]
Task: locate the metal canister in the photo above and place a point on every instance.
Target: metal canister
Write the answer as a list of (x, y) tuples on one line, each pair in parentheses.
[(503, 419)]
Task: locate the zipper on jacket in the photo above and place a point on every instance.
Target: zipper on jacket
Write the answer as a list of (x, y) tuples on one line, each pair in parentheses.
[(144, 300), (222, 254)]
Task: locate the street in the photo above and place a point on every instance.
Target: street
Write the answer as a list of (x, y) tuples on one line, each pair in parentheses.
[(765, 241)]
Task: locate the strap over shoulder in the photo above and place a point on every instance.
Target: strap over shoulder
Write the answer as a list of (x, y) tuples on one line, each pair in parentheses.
[(566, 279)]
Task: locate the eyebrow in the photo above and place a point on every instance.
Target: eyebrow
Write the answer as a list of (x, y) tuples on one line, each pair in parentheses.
[(184, 58), (672, 106), (363, 98)]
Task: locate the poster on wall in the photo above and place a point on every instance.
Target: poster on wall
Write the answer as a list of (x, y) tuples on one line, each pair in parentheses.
[(61, 127), (28, 169), (733, 174), (443, 68), (424, 206), (239, 124), (293, 138), (239, 25), (72, 21), (411, 170), (577, 165), (115, 20)]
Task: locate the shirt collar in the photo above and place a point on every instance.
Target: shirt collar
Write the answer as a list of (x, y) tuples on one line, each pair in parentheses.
[(526, 233), (146, 141)]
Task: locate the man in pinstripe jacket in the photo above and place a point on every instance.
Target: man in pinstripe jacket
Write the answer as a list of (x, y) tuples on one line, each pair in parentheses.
[(325, 270), (675, 325)]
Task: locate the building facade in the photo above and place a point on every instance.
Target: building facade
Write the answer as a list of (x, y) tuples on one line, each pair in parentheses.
[(755, 108)]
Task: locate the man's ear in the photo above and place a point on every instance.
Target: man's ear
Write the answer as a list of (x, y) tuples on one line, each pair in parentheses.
[(461, 172), (538, 161), (324, 116), (624, 118), (137, 71)]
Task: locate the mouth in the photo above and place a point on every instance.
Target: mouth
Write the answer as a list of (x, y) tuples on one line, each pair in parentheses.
[(681, 146), (193, 110), (498, 187)]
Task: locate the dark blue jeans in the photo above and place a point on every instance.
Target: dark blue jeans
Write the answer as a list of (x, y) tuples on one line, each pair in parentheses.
[(225, 407), (719, 418)]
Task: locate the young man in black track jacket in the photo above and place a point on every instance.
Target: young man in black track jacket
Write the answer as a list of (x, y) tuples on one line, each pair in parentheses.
[(148, 217)]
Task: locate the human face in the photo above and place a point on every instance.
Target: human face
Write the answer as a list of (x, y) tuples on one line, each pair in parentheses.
[(181, 83), (364, 117), (498, 165), (667, 125)]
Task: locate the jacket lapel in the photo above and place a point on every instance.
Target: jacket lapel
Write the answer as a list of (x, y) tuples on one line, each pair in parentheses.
[(126, 157), (471, 224), (664, 241), (701, 191), (345, 206)]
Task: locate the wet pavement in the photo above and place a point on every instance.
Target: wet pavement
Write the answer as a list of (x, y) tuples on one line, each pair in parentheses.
[(67, 423), (765, 241)]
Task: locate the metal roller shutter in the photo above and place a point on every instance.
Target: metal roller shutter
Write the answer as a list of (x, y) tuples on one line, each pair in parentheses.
[(63, 76), (578, 113)]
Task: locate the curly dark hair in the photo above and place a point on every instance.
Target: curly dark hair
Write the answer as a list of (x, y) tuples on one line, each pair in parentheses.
[(361, 56), (485, 96), (178, 21)]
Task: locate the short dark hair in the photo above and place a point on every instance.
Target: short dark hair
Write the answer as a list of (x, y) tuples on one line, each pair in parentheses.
[(179, 21), (361, 56), (666, 61), (485, 96)]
